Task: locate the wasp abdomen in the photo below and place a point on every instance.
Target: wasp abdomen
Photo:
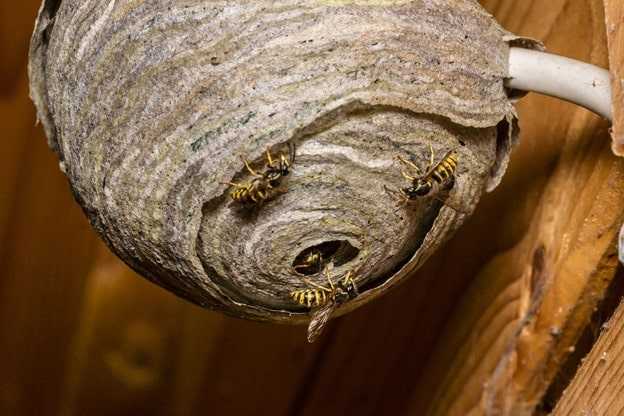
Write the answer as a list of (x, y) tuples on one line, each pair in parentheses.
[(310, 297), (445, 169)]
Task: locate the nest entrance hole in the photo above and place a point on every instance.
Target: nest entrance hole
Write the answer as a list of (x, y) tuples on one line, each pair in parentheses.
[(337, 251)]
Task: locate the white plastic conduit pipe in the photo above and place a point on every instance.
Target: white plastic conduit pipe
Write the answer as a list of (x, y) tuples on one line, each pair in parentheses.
[(586, 85), (577, 82)]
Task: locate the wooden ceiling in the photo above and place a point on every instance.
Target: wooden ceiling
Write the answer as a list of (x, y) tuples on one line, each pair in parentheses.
[(501, 307)]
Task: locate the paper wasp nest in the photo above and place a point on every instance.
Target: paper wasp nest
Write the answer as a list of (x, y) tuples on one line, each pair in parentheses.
[(150, 105)]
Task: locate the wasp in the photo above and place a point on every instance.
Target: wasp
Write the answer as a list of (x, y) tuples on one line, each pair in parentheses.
[(276, 169), (263, 185), (437, 176), (323, 300), (251, 193), (311, 264)]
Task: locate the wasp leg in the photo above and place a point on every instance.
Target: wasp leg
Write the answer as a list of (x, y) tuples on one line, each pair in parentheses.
[(262, 195), (253, 172), (237, 185), (269, 158), (331, 284), (408, 163), (403, 199), (348, 279), (407, 176), (327, 272), (316, 285)]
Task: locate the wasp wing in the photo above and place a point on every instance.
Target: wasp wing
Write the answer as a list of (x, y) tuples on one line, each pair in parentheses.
[(451, 205), (320, 317), (434, 166)]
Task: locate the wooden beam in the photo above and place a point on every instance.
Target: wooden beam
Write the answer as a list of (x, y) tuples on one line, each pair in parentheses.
[(598, 387), (528, 304), (614, 12), (83, 334)]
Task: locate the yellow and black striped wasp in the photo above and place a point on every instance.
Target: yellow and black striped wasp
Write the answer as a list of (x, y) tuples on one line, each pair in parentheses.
[(264, 185), (438, 176), (323, 300), (311, 264)]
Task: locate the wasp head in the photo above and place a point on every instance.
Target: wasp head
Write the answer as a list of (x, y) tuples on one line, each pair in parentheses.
[(284, 166), (420, 187), (347, 287)]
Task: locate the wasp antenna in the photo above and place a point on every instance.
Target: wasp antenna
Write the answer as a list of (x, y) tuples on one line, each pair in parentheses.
[(393, 193), (408, 163)]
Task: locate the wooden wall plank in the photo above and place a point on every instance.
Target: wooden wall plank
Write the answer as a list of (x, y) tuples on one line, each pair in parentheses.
[(123, 354), (45, 242), (18, 20), (598, 387), (529, 303), (256, 368), (374, 371), (19, 132), (143, 351), (140, 350), (84, 335), (46, 252), (376, 354), (614, 11)]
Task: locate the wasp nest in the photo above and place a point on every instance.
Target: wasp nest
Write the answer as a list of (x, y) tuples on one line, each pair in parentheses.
[(152, 105)]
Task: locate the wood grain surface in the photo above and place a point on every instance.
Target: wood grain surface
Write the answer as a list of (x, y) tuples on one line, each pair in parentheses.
[(598, 387), (46, 246), (614, 11), (499, 307), (529, 302)]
